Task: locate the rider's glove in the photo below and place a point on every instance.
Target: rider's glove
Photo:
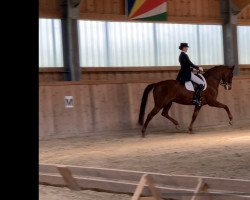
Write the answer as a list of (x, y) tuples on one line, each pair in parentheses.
[(201, 69)]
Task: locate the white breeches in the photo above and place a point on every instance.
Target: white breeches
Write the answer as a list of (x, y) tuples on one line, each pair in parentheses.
[(196, 79)]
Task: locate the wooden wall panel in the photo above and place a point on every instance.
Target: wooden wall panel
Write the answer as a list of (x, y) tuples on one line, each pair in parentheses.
[(108, 6), (50, 9), (50, 74), (194, 11), (50, 77), (115, 7), (244, 16), (100, 108), (119, 7), (179, 11), (91, 6), (126, 74), (130, 74), (100, 7)]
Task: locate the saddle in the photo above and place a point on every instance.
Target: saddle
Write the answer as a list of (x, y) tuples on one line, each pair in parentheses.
[(191, 86)]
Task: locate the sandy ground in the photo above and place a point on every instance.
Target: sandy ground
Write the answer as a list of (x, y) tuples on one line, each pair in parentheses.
[(221, 152), (57, 193)]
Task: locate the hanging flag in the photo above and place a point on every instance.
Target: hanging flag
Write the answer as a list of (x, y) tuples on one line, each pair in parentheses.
[(149, 10)]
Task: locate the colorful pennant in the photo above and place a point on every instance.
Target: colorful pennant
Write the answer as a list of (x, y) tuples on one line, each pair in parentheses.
[(153, 10)]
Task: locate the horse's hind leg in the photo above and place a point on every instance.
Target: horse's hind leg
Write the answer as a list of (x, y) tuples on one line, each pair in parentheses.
[(165, 114), (196, 111), (153, 112)]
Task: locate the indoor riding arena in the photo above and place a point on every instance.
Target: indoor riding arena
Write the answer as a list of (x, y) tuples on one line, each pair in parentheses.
[(115, 124)]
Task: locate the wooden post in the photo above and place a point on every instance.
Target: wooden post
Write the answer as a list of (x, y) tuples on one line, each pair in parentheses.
[(123, 181), (70, 39), (146, 179), (68, 178), (230, 35), (202, 186)]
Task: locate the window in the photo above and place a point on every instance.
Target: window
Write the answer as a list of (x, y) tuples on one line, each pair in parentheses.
[(168, 39), (243, 44), (147, 44), (210, 45), (137, 44), (50, 43), (130, 44), (92, 43)]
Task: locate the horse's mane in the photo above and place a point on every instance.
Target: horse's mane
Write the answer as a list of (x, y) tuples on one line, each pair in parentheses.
[(213, 69)]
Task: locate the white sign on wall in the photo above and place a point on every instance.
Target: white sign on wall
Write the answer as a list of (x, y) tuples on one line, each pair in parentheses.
[(68, 101)]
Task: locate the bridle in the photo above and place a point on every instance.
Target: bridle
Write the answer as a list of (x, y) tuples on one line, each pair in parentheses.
[(225, 84)]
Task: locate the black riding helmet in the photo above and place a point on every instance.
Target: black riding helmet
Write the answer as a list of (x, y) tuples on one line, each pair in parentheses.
[(183, 45)]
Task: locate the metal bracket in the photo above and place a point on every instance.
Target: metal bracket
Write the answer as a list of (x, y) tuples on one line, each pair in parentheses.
[(71, 8), (74, 3)]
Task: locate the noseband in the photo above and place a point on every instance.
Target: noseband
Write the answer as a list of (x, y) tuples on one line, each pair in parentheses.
[(225, 84)]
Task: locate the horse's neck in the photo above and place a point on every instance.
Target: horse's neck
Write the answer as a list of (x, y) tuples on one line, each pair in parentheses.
[(214, 81)]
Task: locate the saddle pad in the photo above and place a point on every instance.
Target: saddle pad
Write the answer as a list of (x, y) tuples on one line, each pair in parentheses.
[(189, 85)]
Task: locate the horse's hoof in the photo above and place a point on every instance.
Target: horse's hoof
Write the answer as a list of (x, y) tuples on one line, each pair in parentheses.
[(143, 134), (190, 131), (178, 127), (231, 122)]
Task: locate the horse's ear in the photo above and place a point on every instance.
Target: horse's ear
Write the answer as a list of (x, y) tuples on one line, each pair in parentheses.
[(232, 68)]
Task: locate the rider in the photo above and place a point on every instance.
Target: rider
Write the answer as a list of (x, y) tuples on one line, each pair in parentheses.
[(186, 74)]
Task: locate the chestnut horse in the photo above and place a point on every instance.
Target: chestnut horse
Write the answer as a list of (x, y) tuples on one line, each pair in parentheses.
[(166, 92)]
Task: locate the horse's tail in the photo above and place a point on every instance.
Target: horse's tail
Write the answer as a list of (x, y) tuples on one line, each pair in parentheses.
[(144, 102)]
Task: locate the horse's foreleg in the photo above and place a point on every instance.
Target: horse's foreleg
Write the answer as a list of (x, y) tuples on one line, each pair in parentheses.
[(196, 111), (221, 105), (165, 114), (153, 112)]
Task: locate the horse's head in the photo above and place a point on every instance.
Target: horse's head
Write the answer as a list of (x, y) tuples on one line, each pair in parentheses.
[(227, 77)]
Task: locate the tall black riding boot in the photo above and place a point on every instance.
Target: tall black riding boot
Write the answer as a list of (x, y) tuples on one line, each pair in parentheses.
[(197, 95)]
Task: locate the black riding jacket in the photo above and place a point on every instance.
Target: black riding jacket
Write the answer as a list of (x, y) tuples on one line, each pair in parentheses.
[(186, 68)]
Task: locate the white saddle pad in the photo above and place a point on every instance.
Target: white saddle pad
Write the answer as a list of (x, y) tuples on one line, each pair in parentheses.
[(189, 86)]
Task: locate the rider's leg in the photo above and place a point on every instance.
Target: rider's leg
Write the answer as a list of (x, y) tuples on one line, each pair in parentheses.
[(197, 93), (197, 96), (196, 79)]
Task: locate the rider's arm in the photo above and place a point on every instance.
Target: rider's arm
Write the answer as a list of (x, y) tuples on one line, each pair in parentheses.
[(191, 64)]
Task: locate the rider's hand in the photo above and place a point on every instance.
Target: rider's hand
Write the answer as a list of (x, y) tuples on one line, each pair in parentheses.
[(201, 69)]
